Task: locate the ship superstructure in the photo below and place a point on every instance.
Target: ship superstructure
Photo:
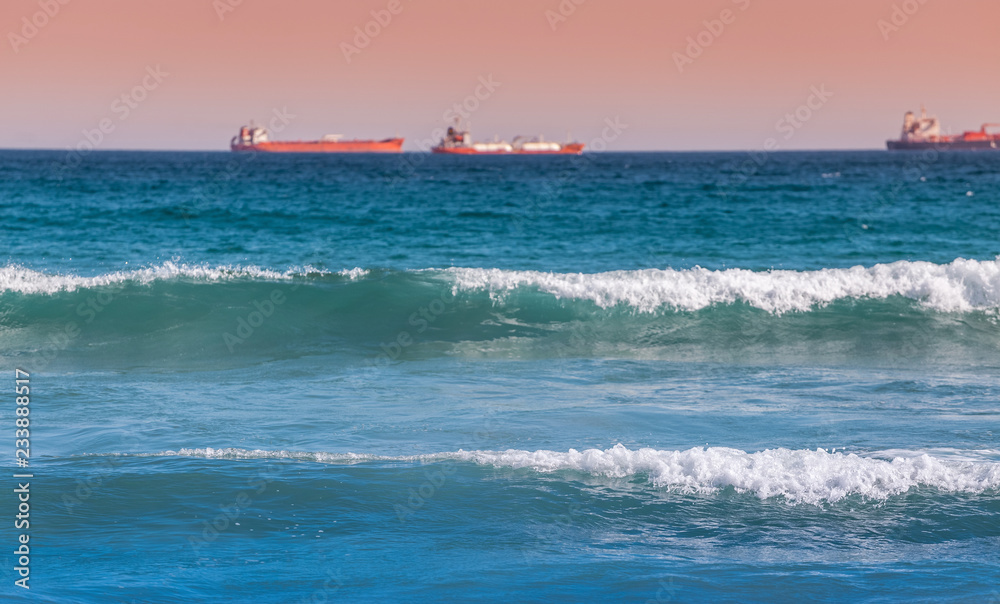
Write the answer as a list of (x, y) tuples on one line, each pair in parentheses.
[(924, 132)]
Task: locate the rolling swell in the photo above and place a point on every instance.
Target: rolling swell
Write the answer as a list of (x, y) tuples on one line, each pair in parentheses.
[(180, 315)]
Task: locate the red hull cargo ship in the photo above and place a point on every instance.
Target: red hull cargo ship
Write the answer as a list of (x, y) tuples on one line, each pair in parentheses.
[(925, 133), (458, 142), (253, 138)]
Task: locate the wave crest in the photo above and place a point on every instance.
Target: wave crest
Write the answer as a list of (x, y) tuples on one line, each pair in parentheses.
[(962, 285), (14, 278), (800, 476)]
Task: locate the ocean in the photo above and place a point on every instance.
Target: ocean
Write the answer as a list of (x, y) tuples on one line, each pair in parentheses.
[(618, 377)]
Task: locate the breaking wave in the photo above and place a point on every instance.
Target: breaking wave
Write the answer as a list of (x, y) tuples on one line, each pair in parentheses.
[(799, 476), (962, 285), (14, 278), (212, 316)]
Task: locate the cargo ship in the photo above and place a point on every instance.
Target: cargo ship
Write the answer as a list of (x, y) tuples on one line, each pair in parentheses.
[(925, 133), (458, 142), (255, 138)]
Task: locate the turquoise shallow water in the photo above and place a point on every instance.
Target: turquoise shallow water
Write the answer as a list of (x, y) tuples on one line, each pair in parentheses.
[(619, 377)]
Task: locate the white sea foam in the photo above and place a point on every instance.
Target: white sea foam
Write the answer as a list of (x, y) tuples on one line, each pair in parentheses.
[(322, 457), (944, 453), (800, 476), (354, 273), (962, 285), (26, 281)]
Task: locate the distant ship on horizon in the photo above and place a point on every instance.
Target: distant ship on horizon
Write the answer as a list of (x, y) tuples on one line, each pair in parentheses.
[(255, 138), (459, 142), (925, 133)]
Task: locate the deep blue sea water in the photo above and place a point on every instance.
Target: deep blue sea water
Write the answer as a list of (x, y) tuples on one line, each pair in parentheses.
[(651, 377)]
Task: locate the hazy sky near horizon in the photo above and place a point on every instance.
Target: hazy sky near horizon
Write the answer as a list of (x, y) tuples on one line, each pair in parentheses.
[(679, 74)]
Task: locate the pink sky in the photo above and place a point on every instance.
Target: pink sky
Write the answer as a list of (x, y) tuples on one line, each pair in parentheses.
[(606, 60)]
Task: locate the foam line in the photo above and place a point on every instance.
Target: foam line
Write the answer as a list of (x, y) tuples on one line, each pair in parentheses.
[(962, 285), (15, 278), (800, 476)]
